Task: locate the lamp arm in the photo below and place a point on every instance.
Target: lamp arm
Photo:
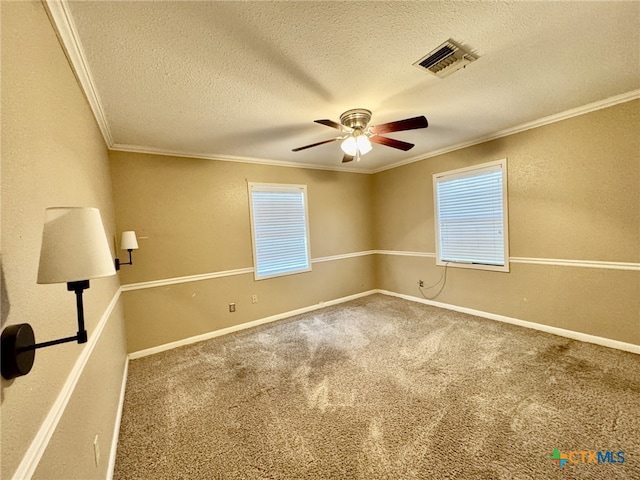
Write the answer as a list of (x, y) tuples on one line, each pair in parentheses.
[(78, 288), (81, 336), (18, 342), (49, 343), (130, 262)]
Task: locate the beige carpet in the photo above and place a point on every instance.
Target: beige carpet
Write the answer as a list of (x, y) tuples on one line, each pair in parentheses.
[(382, 388)]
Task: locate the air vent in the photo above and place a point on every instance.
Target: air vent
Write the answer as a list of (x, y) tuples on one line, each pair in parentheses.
[(446, 59)]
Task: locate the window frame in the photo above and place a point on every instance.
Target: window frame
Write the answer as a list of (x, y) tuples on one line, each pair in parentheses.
[(284, 188), (468, 172)]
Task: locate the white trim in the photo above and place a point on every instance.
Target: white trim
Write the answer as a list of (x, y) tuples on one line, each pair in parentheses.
[(343, 256), (242, 271), (583, 337), (558, 262), (39, 444), (464, 173), (63, 22), (574, 112), (116, 427), (228, 273), (406, 254), (119, 147), (244, 326), (274, 250), (59, 13), (186, 279), (577, 263), (558, 117)]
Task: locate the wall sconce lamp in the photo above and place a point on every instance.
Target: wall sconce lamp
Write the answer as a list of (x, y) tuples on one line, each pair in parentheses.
[(128, 242), (74, 249)]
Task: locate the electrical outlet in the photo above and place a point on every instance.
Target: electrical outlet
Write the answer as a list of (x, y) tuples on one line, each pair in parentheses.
[(96, 451), (420, 283), (254, 298), (232, 307)]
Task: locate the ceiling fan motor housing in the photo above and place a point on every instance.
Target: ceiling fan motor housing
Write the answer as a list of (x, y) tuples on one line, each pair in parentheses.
[(357, 118)]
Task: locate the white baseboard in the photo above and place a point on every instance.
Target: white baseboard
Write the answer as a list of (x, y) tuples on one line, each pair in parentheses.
[(116, 428), (583, 337), (38, 445), (34, 453), (243, 326), (605, 342)]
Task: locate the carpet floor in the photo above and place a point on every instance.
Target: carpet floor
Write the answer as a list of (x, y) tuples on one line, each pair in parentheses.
[(382, 388)]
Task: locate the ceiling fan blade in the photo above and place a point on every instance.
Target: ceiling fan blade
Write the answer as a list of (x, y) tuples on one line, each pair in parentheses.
[(391, 142), (347, 158), (331, 123), (315, 144), (400, 125)]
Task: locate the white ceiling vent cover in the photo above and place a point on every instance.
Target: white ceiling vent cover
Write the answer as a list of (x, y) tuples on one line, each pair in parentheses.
[(445, 59)]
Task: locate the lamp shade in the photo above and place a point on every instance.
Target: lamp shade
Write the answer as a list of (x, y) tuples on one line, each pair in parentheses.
[(364, 144), (129, 241), (349, 146), (356, 143), (74, 246)]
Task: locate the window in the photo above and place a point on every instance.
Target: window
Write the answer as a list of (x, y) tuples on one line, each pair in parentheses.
[(471, 217), (279, 229)]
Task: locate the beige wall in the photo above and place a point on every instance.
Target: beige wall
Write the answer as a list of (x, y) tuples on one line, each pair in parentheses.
[(52, 155), (192, 218), (573, 194)]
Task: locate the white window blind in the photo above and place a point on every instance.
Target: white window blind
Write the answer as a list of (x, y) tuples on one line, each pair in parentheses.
[(279, 229), (471, 219)]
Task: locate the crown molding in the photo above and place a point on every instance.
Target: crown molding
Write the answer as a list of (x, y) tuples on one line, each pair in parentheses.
[(58, 11), (118, 147), (557, 117), (574, 112)]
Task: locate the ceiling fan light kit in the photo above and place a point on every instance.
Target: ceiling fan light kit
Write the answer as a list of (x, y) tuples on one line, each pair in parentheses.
[(363, 144), (356, 143), (349, 146), (358, 137)]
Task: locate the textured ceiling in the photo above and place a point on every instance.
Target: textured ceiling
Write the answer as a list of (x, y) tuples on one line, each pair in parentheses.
[(245, 80)]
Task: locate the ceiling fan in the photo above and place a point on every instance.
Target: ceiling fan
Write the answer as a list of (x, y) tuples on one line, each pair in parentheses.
[(357, 136)]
